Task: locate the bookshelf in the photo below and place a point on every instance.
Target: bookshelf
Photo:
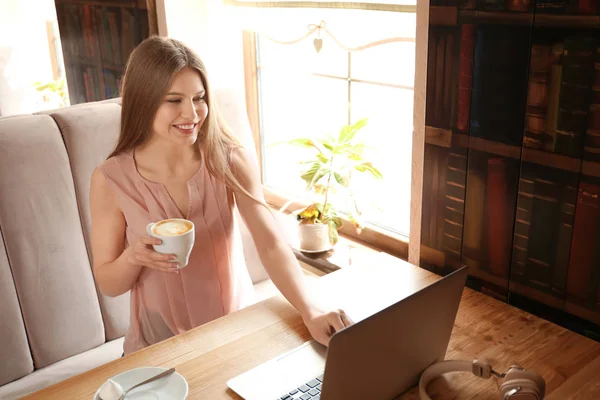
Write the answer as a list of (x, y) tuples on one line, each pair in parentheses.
[(452, 16), (97, 37), (511, 179)]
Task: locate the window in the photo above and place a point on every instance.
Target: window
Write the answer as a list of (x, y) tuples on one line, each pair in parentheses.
[(302, 92)]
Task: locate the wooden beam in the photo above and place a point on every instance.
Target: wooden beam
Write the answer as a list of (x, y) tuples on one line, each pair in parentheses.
[(251, 85), (418, 142)]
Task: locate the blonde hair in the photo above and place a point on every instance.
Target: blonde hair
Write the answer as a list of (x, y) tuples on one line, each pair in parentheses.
[(150, 70)]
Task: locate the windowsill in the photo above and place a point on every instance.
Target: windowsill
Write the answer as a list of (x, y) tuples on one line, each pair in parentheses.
[(350, 243), (345, 253)]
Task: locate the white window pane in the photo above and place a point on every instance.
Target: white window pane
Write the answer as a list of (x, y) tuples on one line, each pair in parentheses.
[(389, 63), (294, 106), (302, 57), (389, 134)]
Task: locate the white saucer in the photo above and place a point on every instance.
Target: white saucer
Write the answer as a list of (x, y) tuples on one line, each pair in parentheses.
[(315, 251), (173, 387)]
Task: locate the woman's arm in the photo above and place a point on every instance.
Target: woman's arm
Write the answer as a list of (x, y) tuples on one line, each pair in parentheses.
[(276, 255), (116, 269)]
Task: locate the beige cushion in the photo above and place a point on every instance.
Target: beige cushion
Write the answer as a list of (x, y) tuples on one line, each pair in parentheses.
[(90, 132), (44, 241), (62, 370), (16, 358)]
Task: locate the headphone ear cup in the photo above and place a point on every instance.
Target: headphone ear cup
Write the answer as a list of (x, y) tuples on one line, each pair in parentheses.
[(530, 383)]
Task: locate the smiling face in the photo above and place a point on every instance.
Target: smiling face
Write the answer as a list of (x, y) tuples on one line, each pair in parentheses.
[(183, 109)]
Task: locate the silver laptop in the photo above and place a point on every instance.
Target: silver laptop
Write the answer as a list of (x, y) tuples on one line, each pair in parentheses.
[(377, 358)]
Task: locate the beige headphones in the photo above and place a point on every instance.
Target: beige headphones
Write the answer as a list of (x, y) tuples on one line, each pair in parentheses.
[(519, 384)]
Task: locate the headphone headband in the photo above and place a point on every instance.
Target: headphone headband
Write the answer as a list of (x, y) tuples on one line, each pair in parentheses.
[(518, 381)]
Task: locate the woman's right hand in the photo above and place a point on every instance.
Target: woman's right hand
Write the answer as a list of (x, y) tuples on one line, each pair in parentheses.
[(143, 254)]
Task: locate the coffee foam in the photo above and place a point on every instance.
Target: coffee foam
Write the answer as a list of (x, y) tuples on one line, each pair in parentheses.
[(171, 228)]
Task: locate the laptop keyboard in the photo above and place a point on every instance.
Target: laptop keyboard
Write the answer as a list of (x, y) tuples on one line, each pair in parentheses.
[(311, 390)]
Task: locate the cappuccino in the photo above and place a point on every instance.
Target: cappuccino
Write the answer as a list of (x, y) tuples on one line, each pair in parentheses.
[(171, 227)]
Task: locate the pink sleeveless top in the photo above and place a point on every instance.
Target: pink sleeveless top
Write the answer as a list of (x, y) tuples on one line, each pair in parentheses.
[(214, 283)]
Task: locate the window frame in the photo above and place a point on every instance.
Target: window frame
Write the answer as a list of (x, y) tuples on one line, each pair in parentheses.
[(371, 236)]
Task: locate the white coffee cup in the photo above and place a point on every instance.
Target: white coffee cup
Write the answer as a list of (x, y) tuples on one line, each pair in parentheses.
[(177, 236)]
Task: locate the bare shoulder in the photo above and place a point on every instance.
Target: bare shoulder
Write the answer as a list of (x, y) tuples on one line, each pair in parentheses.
[(241, 158), (243, 165), (100, 191)]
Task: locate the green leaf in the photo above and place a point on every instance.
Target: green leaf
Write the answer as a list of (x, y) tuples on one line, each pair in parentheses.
[(349, 131), (368, 167), (314, 174), (340, 179), (328, 144), (324, 159), (309, 174), (302, 142)]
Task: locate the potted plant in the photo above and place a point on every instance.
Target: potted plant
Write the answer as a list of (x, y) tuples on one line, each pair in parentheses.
[(333, 163)]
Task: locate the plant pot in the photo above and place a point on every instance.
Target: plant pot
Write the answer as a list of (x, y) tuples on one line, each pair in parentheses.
[(314, 237)]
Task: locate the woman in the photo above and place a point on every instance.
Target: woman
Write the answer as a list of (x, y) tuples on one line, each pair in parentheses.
[(175, 159)]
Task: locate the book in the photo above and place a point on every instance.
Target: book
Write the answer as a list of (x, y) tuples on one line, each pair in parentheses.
[(474, 214), (431, 78), (449, 83), (583, 257), (543, 227), (434, 180), (535, 135), (552, 108), (565, 233), (592, 137), (491, 5), (543, 234), (519, 5), (441, 86), (500, 79), (438, 108), (551, 6), (523, 223), (467, 4), (454, 206), (576, 84), (467, 47), (589, 7), (500, 224)]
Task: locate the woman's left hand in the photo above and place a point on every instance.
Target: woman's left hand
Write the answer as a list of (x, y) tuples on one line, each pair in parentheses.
[(322, 325)]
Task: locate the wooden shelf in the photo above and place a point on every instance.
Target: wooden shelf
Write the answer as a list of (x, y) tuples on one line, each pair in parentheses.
[(567, 21), (497, 148), (451, 16), (437, 136), (552, 160), (492, 17), (445, 138)]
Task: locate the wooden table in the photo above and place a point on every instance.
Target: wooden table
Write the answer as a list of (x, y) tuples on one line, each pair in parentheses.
[(485, 328)]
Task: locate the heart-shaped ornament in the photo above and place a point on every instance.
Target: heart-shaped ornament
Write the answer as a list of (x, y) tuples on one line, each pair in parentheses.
[(318, 42)]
